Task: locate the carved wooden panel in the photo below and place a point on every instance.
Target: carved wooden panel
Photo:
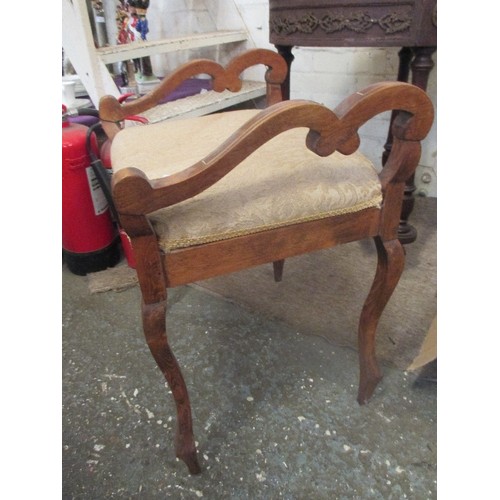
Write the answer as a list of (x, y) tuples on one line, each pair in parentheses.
[(351, 23)]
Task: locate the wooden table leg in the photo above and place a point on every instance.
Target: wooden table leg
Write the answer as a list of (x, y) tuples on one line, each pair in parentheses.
[(405, 57), (419, 59), (285, 51)]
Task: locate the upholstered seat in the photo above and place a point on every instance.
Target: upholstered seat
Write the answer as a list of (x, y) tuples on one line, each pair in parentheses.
[(281, 183), (208, 196)]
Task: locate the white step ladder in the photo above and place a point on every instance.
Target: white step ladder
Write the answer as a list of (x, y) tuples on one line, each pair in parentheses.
[(90, 62)]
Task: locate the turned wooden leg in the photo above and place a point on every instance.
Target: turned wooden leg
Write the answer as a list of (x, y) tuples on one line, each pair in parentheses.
[(153, 318), (285, 51), (419, 60), (405, 57), (421, 66), (389, 268), (278, 269)]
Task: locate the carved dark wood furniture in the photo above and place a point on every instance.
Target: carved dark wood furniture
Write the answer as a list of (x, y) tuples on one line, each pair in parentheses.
[(410, 24), (211, 195)]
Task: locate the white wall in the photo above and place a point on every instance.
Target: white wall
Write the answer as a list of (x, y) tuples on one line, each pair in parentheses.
[(326, 75)]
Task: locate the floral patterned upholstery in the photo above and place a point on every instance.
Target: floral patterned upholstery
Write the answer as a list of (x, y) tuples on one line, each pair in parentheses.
[(280, 184)]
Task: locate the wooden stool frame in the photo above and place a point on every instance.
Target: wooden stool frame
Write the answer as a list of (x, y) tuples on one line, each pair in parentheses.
[(136, 196)]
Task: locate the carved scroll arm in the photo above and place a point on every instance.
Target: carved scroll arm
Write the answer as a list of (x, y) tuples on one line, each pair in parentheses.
[(135, 194), (360, 106), (112, 112)]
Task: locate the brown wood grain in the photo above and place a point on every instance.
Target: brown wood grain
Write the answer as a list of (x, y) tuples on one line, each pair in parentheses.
[(212, 259)]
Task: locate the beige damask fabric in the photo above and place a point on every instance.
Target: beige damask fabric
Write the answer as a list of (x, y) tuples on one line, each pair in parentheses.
[(282, 183)]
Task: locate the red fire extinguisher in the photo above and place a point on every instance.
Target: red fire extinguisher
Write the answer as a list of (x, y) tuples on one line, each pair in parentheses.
[(89, 236), (105, 157)]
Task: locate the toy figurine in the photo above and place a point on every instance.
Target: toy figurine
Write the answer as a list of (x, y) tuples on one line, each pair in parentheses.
[(133, 25)]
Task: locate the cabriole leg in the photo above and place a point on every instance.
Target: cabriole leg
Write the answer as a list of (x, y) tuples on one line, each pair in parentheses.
[(153, 317), (390, 265)]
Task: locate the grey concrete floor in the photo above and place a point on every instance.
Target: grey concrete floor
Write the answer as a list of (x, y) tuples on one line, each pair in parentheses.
[(275, 411)]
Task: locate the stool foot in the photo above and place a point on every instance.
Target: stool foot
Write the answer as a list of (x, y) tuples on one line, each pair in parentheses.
[(185, 450)]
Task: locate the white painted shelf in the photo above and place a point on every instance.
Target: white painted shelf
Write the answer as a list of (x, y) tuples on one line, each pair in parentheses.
[(205, 103), (116, 53)]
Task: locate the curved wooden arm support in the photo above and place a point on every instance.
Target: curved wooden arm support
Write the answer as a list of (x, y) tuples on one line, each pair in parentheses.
[(112, 112), (276, 66), (359, 107), (135, 194)]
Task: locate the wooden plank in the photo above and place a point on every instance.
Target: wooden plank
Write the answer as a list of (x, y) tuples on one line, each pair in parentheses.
[(117, 53), (222, 257)]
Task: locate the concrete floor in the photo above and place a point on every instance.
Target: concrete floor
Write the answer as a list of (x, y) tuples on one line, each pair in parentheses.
[(275, 411)]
